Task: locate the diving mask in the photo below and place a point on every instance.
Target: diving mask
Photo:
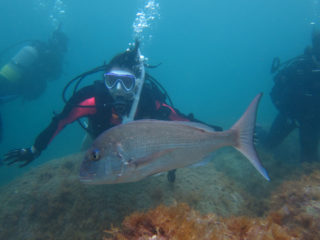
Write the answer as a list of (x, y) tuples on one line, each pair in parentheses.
[(127, 81)]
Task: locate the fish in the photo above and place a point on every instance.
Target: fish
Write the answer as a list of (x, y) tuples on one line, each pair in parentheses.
[(131, 151)]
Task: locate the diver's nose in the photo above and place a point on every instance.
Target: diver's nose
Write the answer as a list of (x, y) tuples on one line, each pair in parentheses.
[(118, 86)]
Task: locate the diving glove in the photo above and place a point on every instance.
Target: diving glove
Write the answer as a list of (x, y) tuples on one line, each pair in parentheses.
[(22, 155)]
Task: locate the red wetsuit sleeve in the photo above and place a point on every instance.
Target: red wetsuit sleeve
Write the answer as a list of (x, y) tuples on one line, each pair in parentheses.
[(174, 115), (77, 113), (69, 115)]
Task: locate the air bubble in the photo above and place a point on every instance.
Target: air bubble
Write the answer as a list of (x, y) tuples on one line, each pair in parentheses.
[(144, 19)]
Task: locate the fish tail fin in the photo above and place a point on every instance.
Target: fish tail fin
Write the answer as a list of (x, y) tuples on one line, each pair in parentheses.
[(244, 128)]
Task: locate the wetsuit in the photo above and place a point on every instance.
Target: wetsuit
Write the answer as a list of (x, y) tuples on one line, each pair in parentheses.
[(102, 114), (296, 94), (27, 73)]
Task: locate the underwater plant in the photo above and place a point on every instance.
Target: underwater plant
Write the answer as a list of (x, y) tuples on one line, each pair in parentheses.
[(182, 222), (296, 204)]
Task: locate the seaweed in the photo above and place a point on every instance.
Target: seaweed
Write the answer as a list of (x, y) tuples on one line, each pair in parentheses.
[(296, 204), (182, 222)]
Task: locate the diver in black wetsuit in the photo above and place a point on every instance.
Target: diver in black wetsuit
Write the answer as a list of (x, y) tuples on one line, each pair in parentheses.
[(296, 94), (26, 74), (125, 93)]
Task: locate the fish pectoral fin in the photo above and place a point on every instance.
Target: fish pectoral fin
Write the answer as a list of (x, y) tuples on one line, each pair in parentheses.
[(151, 157)]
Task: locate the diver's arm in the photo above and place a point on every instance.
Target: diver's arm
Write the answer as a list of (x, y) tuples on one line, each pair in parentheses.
[(72, 111), (174, 114), (82, 104)]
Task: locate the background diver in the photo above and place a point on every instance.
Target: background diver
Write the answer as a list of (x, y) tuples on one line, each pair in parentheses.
[(296, 95), (126, 92), (26, 74)]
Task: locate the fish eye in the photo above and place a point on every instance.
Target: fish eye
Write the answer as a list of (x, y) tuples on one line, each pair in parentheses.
[(95, 155)]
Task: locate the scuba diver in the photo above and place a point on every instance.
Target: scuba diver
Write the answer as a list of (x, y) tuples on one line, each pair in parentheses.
[(296, 95), (26, 74), (125, 93)]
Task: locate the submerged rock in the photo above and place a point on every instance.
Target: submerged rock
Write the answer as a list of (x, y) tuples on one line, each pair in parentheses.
[(296, 204), (49, 202), (294, 215)]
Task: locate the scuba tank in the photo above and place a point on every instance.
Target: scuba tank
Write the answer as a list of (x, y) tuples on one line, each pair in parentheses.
[(277, 65), (143, 76), (25, 57)]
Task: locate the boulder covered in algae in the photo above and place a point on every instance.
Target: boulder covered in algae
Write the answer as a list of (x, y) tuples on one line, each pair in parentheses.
[(294, 214), (49, 202)]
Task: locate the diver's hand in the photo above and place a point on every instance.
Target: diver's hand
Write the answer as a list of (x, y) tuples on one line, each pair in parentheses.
[(23, 155)]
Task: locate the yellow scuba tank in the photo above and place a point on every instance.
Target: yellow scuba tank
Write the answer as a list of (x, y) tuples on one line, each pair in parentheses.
[(10, 72), (23, 60)]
